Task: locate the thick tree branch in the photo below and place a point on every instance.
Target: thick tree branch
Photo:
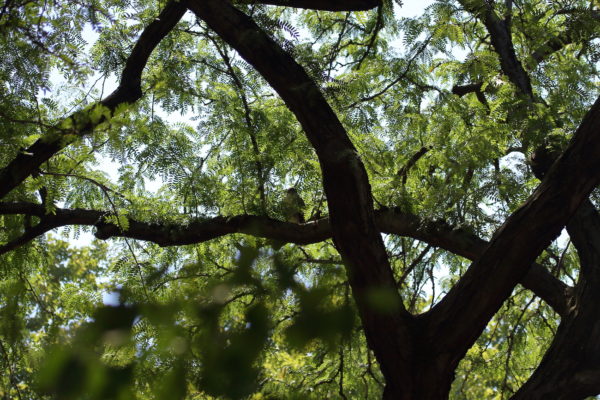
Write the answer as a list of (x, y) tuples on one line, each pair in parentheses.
[(391, 221), (461, 90), (465, 244), (62, 217), (572, 34), (29, 234), (583, 27), (345, 182), (500, 35), (84, 121), (551, 46), (456, 322), (326, 5), (571, 366)]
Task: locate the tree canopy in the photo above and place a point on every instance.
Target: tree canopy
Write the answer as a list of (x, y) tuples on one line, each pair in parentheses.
[(299, 199)]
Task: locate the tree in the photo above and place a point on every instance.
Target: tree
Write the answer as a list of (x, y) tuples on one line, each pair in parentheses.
[(438, 158)]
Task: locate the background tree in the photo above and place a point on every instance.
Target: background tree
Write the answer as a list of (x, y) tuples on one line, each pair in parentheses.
[(428, 267)]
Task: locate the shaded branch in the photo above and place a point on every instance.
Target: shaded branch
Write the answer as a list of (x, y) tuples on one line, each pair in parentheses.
[(573, 33), (391, 221), (83, 122), (489, 281), (461, 90), (62, 217), (570, 368), (500, 36), (403, 172), (345, 182)]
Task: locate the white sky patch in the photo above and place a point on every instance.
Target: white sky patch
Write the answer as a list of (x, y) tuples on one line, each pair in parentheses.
[(411, 9)]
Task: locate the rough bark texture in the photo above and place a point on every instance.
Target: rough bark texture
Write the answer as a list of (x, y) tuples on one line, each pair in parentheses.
[(501, 40), (80, 123), (571, 366)]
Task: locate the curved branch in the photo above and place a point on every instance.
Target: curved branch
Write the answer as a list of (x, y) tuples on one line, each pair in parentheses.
[(84, 121), (29, 235), (461, 90), (345, 182), (500, 36), (572, 34), (61, 217), (463, 243), (391, 221), (571, 366), (456, 321)]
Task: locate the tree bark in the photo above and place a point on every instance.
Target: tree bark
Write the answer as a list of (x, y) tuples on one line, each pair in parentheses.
[(500, 35), (346, 185), (391, 221), (454, 324), (81, 123), (570, 369)]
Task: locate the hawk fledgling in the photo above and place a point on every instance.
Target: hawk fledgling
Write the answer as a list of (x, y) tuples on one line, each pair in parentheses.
[(292, 207)]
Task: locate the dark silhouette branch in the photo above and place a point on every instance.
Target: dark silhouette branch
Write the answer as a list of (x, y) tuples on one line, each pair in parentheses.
[(61, 217), (461, 90), (489, 281), (391, 221), (345, 182), (499, 30), (570, 368), (573, 33), (511, 66), (84, 121)]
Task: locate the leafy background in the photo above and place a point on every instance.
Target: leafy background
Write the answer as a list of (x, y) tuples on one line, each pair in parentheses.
[(240, 317)]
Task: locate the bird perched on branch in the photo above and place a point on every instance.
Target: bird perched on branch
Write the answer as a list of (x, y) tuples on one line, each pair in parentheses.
[(292, 207)]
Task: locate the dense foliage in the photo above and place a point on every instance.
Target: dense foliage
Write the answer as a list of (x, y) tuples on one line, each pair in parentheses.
[(174, 138)]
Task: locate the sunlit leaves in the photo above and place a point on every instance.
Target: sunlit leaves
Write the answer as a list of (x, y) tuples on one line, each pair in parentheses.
[(241, 316)]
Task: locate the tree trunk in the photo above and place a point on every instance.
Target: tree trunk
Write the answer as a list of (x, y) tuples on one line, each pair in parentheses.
[(571, 367)]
